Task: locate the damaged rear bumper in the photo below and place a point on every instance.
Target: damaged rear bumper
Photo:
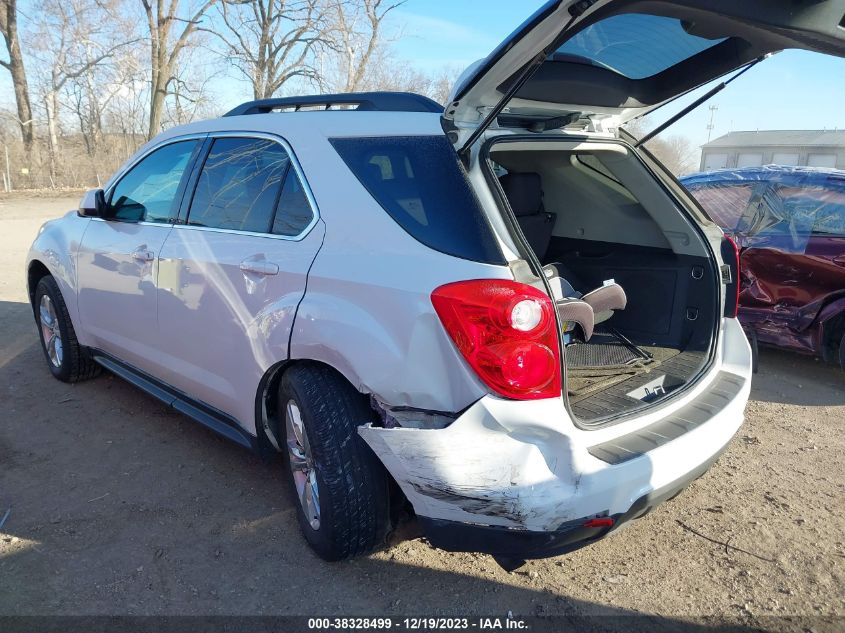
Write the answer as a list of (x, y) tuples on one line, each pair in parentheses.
[(505, 542), (519, 479)]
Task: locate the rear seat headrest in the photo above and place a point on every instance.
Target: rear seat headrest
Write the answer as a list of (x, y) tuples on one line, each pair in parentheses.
[(524, 192)]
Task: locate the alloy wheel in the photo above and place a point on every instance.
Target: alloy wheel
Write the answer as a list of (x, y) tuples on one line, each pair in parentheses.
[(302, 465), (50, 332)]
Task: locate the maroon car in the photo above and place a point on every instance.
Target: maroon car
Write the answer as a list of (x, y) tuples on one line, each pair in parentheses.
[(789, 224)]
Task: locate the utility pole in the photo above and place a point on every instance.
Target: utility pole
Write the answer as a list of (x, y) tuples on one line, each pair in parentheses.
[(711, 126)]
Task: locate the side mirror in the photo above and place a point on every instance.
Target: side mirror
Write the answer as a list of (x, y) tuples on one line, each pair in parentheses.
[(93, 204)]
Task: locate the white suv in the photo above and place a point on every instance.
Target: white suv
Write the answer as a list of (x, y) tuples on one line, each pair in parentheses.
[(506, 315)]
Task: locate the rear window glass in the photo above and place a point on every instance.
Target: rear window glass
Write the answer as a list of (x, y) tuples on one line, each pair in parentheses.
[(420, 183), (634, 45), (824, 206), (724, 203)]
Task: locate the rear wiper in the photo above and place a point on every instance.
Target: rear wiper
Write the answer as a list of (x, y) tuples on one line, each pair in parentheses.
[(710, 93)]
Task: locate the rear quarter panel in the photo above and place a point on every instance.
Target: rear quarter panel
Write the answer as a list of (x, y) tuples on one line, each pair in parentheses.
[(367, 310)]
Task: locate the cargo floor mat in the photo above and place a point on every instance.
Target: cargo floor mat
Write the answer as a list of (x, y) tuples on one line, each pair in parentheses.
[(605, 349), (584, 381)]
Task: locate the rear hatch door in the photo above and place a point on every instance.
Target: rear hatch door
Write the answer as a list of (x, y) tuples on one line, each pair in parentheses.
[(608, 61)]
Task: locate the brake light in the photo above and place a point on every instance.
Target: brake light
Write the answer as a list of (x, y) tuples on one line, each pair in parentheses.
[(730, 256), (507, 332)]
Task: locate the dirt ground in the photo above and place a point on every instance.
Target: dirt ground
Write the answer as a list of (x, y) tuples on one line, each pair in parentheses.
[(119, 506)]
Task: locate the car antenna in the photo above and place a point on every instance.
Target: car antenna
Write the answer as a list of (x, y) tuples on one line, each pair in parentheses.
[(710, 93)]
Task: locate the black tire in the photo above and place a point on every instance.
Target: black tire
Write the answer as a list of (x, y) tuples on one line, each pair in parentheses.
[(842, 353), (75, 363), (352, 483), (755, 351)]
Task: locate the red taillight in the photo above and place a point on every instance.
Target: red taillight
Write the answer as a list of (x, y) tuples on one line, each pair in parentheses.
[(599, 522), (730, 256), (506, 331)]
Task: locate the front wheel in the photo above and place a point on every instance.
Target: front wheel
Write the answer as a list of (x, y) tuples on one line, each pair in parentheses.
[(67, 360), (341, 487)]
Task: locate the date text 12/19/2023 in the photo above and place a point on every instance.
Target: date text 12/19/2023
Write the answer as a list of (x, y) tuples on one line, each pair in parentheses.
[(417, 623)]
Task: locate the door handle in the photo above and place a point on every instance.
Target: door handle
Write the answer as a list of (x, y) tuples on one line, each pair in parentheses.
[(259, 267), (143, 255)]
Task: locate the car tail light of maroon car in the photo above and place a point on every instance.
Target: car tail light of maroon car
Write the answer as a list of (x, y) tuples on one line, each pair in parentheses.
[(730, 257), (507, 332)]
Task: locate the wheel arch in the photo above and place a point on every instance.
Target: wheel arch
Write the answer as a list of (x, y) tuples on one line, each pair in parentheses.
[(267, 423), (44, 264), (35, 272), (266, 402)]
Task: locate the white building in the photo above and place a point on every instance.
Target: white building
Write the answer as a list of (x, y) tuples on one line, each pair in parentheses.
[(813, 148)]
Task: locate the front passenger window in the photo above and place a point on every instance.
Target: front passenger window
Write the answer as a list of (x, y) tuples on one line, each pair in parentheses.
[(148, 191)]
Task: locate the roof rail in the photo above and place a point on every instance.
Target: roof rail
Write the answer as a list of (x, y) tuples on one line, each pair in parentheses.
[(361, 101)]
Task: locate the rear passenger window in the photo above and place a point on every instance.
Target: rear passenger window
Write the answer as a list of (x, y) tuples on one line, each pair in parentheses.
[(293, 213), (239, 185), (419, 181)]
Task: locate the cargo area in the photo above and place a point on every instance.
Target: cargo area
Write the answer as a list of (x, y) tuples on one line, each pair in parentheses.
[(601, 223)]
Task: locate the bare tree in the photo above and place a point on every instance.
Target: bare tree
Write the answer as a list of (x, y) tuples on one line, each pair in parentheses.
[(389, 73), (70, 41), (358, 28), (166, 44), (122, 109), (101, 87), (127, 109), (189, 91), (442, 84), (15, 66), (272, 41), (675, 152)]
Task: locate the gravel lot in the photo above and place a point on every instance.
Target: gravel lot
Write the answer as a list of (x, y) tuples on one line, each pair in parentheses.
[(119, 506)]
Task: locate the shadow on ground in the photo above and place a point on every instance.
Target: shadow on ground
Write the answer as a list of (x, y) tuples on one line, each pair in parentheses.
[(791, 378)]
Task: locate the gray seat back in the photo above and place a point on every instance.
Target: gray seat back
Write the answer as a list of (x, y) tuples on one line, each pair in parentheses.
[(525, 195)]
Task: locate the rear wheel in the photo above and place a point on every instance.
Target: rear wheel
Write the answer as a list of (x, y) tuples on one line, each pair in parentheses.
[(67, 360), (340, 486), (842, 353)]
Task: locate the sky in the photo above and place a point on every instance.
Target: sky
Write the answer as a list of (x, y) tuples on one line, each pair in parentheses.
[(792, 90)]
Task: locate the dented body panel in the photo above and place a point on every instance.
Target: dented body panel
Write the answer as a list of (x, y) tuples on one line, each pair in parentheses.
[(525, 466), (789, 223)]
